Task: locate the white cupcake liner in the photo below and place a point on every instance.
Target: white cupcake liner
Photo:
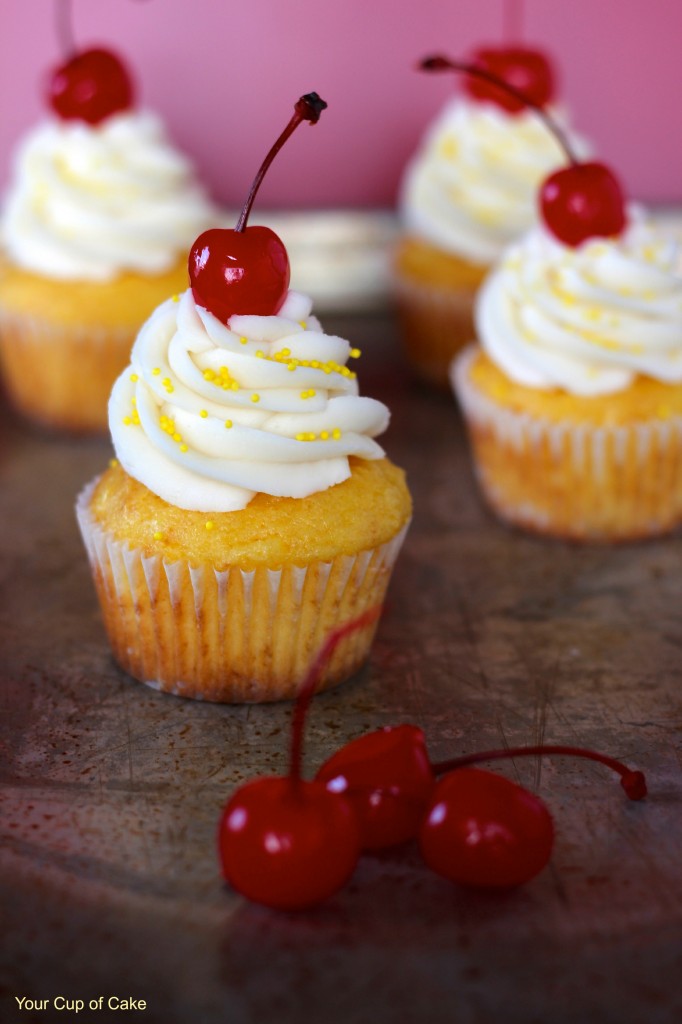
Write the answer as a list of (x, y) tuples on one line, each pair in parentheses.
[(61, 375), (231, 635), (607, 482)]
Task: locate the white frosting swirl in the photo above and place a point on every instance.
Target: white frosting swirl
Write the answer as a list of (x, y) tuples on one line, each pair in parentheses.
[(207, 415), (90, 201), (471, 188), (586, 320)]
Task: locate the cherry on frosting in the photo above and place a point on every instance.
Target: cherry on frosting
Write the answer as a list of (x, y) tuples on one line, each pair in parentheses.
[(387, 777), (246, 269), (90, 86), (577, 202), (284, 842), (526, 69)]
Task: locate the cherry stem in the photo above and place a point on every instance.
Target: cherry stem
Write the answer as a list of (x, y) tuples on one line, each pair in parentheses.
[(307, 108), (512, 19), (310, 683), (633, 782), (439, 63), (64, 26)]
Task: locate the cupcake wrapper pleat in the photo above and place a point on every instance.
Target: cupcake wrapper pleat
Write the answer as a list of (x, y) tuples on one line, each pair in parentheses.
[(573, 480), (61, 376), (231, 635)]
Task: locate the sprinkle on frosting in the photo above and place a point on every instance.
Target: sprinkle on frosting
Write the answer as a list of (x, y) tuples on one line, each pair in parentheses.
[(225, 415), (587, 319)]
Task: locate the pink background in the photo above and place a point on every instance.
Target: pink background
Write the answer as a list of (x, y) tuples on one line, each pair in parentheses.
[(225, 75)]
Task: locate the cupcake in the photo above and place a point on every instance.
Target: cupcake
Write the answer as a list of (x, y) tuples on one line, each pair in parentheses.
[(94, 231), (573, 398), (250, 510), (468, 192)]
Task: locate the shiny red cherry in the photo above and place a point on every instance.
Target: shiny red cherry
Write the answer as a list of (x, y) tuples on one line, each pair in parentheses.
[(387, 777), (482, 830), (239, 271), (90, 86), (246, 270), (583, 201), (287, 843), (578, 202), (527, 70)]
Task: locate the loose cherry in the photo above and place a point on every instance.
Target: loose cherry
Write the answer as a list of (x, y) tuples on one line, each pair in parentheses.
[(90, 86), (482, 830), (284, 842), (246, 270), (387, 777), (527, 70), (578, 202)]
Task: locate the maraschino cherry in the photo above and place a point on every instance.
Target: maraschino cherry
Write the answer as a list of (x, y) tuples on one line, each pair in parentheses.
[(284, 842), (578, 202), (524, 68), (90, 85), (246, 270), (387, 777)]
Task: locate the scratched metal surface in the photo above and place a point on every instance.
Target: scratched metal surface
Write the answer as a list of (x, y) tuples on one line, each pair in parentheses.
[(111, 792)]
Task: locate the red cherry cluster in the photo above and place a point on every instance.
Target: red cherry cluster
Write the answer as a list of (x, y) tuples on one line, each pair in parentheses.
[(246, 270), (289, 844), (578, 202)]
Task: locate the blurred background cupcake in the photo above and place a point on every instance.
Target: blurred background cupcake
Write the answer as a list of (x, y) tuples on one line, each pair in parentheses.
[(95, 227), (468, 192)]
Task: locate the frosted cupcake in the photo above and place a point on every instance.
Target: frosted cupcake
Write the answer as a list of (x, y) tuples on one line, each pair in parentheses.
[(574, 397), (95, 230), (251, 510), (469, 191)]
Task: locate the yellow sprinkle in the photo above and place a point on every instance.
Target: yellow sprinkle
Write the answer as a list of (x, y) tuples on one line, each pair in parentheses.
[(156, 371), (234, 386), (243, 341), (255, 398), (224, 372), (324, 435), (228, 423), (113, 463), (134, 378), (158, 536), (127, 420), (300, 437), (176, 298), (203, 414), (355, 353), (291, 366), (303, 324), (209, 524), (183, 448), (284, 352), (336, 433), (176, 437), (259, 354), (209, 374), (166, 381)]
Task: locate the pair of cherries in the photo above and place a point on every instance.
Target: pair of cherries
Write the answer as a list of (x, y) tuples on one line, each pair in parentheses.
[(290, 844), (577, 202)]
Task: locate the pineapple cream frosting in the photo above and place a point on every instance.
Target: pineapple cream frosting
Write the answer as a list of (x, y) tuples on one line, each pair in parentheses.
[(471, 187), (586, 320), (91, 201), (209, 414)]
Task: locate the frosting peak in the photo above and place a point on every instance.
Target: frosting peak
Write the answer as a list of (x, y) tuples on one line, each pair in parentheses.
[(91, 201), (586, 319), (209, 414), (471, 189)]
